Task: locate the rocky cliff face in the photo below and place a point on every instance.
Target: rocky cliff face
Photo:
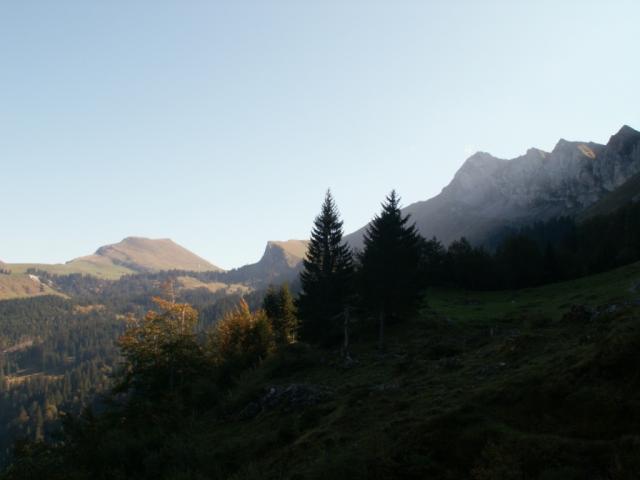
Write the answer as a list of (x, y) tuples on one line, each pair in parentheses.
[(488, 193), (280, 262)]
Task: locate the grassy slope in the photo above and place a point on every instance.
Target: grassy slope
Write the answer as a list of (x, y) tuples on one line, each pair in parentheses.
[(105, 270), (191, 283), (151, 254), (139, 253), (479, 385), (550, 300), (21, 286)]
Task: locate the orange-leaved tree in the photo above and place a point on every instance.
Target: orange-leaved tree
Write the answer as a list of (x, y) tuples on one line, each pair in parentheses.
[(161, 351), (241, 339)]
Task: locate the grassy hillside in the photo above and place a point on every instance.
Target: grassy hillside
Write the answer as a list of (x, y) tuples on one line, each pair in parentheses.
[(549, 301), (540, 383), (131, 256), (21, 286), (105, 269), (145, 254), (494, 385), (191, 283)]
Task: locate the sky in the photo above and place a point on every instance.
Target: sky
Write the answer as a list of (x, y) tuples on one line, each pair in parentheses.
[(220, 125)]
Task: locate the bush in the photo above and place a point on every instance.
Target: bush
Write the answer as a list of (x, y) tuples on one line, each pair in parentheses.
[(241, 340)]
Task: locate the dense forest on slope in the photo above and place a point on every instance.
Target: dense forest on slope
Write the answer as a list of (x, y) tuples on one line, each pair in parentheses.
[(544, 252), (57, 354)]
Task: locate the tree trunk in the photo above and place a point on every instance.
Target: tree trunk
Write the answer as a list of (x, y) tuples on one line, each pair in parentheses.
[(346, 333), (381, 332)]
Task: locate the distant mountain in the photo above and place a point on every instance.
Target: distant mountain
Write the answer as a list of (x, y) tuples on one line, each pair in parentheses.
[(488, 193), (147, 255), (280, 262)]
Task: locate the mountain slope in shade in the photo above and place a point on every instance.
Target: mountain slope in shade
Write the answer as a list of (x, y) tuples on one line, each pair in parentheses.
[(147, 255), (628, 192), (488, 193)]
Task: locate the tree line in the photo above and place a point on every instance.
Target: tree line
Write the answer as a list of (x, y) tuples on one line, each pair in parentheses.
[(386, 279)]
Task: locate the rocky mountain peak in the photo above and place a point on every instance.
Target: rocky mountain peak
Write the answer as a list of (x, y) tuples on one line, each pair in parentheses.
[(480, 160), (488, 193), (281, 261), (290, 252), (536, 152), (625, 141)]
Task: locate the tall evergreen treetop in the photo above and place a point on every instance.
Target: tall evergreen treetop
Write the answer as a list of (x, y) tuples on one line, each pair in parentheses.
[(391, 261), (326, 275)]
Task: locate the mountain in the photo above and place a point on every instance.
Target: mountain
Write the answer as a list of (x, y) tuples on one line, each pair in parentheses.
[(627, 192), (280, 262), (488, 193), (131, 255), (147, 255)]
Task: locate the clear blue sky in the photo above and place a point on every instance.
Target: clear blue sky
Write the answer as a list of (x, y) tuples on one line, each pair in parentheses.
[(221, 124)]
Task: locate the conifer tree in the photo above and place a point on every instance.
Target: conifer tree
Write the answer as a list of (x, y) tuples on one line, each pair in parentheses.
[(390, 264), (326, 277), (281, 312)]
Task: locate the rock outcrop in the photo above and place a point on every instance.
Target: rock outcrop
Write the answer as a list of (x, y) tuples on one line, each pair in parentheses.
[(280, 262)]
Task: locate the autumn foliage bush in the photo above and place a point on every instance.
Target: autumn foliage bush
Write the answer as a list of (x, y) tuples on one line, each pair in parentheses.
[(241, 339)]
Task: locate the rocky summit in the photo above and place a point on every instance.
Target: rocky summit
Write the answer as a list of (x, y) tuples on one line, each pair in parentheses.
[(489, 193)]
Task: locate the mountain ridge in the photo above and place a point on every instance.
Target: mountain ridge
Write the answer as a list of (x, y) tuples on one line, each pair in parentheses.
[(488, 193), (281, 261), (142, 254)]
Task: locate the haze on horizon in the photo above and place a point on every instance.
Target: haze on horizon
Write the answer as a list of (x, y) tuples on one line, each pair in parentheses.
[(220, 125)]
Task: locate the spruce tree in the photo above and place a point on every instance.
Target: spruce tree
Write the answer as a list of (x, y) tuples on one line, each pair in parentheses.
[(281, 312), (326, 278), (390, 264)]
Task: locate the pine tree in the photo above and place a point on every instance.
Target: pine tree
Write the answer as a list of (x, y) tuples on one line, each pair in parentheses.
[(281, 312), (433, 259), (390, 264), (326, 277)]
